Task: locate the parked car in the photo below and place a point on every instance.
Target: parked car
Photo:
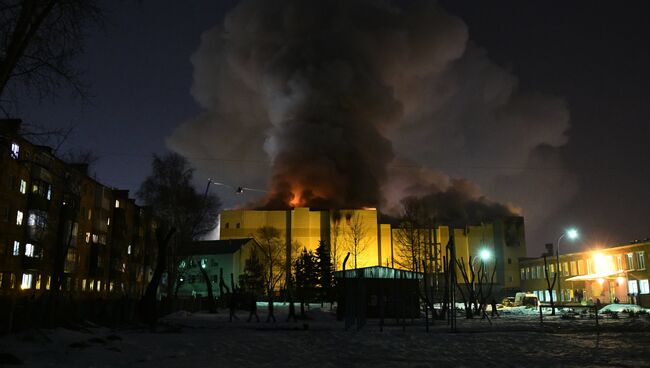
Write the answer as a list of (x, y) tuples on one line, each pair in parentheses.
[(526, 300)]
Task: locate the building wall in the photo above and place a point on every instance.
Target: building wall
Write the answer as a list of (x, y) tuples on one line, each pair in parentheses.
[(63, 208), (608, 274), (504, 239)]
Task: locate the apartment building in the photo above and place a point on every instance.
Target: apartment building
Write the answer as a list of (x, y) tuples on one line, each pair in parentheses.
[(60, 228)]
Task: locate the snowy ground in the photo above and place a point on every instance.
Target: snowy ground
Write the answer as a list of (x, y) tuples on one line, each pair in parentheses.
[(516, 339)]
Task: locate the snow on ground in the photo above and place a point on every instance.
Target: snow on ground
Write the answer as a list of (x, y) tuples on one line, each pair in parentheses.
[(200, 340)]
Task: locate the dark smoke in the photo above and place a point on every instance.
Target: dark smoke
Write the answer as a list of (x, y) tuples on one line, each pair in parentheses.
[(338, 93)]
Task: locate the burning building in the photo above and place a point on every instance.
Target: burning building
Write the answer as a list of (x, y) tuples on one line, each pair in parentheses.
[(362, 233)]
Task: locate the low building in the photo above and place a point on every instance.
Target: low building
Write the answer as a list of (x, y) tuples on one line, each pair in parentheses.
[(612, 273), (219, 258)]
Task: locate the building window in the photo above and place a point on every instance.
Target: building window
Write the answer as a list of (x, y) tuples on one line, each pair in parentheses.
[(227, 225), (630, 261), (523, 274), (29, 250), (19, 218), (117, 203), (16, 251), (23, 186), (533, 273), (551, 268), (95, 238), (90, 214), (509, 261), (644, 288), (632, 287), (15, 151), (87, 238), (37, 219), (590, 266), (581, 267), (204, 263), (238, 225), (128, 249), (27, 281), (640, 260), (619, 262), (565, 268), (42, 189), (509, 278), (528, 273), (574, 268)]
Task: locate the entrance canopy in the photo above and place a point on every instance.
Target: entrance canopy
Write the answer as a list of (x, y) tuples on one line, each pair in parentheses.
[(596, 276)]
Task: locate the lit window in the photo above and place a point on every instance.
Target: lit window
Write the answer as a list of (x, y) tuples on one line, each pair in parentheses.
[(99, 285), (90, 214), (16, 248), (27, 281), (581, 267), (49, 192), (19, 218), (644, 288), (630, 261), (117, 203), (551, 268), (23, 186), (87, 238), (523, 274), (565, 269), (29, 250), (128, 249), (15, 151), (204, 263), (108, 222), (640, 260), (95, 238), (632, 287), (574, 268), (619, 262)]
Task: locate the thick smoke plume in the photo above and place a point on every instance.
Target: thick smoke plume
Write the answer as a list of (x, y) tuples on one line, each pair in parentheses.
[(338, 95)]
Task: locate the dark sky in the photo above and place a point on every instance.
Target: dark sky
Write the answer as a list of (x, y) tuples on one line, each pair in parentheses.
[(594, 54)]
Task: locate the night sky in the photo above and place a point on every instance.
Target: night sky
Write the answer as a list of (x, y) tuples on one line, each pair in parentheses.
[(594, 55)]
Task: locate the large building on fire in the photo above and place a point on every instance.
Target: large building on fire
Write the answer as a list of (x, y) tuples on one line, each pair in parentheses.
[(381, 244)]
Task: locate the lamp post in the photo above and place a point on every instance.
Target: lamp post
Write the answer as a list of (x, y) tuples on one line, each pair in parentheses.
[(572, 234)]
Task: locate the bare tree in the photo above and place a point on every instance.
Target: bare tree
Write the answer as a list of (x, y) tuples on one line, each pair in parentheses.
[(550, 285), (40, 39), (336, 233), (273, 252), (168, 190), (356, 236)]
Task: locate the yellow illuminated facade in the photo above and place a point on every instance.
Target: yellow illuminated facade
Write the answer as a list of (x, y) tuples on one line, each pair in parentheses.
[(379, 243)]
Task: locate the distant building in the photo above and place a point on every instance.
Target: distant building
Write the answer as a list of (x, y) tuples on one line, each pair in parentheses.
[(615, 272), (503, 239), (216, 257), (54, 214)]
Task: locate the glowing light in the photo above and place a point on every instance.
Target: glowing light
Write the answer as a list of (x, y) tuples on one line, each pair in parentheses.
[(601, 280), (620, 280), (485, 254), (572, 234)]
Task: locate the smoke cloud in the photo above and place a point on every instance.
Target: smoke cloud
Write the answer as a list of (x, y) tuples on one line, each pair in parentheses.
[(339, 95)]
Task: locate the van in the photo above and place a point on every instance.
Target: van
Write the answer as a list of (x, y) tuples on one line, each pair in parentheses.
[(526, 300)]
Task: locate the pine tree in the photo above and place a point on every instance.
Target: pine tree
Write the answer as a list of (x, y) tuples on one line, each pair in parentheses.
[(325, 272), (252, 280), (306, 277)]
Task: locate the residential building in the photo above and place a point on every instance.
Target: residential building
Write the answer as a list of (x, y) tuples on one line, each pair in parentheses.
[(56, 220)]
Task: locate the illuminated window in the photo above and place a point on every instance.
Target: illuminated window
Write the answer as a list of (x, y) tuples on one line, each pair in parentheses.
[(619, 262), (565, 269), (128, 249), (27, 281), (16, 248), (533, 273), (630, 261), (632, 287), (108, 221), (90, 214), (29, 250), (551, 268), (87, 238), (581, 267), (83, 284), (640, 260), (523, 274), (204, 263), (99, 285), (15, 151), (95, 238), (590, 266), (574, 268), (117, 203), (644, 288), (19, 218), (23, 186)]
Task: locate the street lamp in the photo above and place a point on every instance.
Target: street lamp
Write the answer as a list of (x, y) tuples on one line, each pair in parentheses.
[(572, 234)]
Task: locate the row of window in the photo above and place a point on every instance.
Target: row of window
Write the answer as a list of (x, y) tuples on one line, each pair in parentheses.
[(31, 281), (30, 250), (597, 264)]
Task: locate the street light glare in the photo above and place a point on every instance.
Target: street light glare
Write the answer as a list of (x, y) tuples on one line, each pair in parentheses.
[(485, 254), (572, 234)]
